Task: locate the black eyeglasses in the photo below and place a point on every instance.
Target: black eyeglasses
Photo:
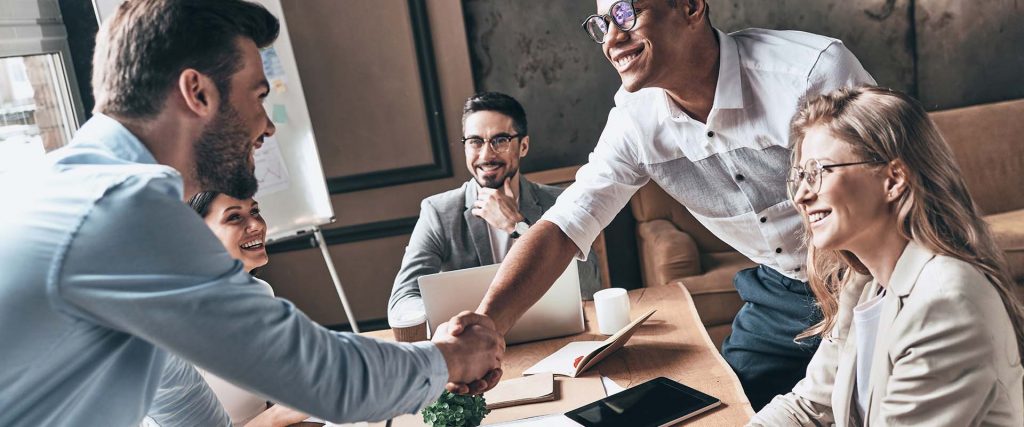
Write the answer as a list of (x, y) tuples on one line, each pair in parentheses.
[(813, 176), (621, 13), (500, 143)]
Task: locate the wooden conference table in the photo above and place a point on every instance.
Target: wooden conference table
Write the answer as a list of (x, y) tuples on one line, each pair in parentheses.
[(672, 343)]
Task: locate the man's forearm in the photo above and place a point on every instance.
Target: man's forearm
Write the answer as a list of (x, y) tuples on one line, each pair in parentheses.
[(527, 273)]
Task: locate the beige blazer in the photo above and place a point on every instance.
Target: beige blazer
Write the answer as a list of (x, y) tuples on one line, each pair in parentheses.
[(945, 355)]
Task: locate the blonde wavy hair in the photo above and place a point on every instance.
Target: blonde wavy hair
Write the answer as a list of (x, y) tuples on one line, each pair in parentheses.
[(936, 211)]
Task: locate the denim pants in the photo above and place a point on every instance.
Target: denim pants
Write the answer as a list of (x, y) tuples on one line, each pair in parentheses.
[(761, 348)]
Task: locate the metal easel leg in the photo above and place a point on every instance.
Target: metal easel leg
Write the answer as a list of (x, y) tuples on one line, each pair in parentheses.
[(320, 241)]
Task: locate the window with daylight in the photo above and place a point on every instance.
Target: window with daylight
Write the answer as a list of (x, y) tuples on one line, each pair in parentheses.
[(36, 114)]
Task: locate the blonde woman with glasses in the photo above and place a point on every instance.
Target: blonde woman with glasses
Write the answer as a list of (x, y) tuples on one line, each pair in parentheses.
[(920, 324)]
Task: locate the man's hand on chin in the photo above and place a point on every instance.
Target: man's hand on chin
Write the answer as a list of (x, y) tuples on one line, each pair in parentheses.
[(498, 207), (472, 350)]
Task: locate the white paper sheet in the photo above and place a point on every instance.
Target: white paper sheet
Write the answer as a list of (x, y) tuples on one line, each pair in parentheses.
[(561, 361), (610, 387), (557, 420)]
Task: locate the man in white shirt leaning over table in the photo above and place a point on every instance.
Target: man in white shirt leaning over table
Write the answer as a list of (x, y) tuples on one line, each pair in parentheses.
[(705, 115)]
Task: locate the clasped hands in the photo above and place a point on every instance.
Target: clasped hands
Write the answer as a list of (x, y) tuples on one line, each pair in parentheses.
[(473, 350)]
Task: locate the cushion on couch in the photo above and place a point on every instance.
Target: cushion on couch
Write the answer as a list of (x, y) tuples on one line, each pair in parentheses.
[(987, 144), (713, 292), (666, 252), (1008, 230), (652, 202)]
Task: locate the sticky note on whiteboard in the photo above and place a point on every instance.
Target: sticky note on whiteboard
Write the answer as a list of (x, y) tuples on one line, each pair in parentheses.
[(279, 114), (272, 66)]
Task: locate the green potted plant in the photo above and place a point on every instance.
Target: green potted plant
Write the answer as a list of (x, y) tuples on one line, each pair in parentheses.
[(456, 410)]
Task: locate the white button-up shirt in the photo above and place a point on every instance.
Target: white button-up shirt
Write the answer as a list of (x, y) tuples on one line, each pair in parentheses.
[(730, 172)]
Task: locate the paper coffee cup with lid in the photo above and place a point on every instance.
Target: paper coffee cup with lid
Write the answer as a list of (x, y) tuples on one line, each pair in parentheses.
[(409, 325)]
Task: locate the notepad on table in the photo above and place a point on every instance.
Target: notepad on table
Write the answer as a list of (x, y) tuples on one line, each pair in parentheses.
[(578, 356), (520, 391)]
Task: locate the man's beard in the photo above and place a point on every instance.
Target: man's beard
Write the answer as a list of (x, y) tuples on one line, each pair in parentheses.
[(497, 182), (222, 157)]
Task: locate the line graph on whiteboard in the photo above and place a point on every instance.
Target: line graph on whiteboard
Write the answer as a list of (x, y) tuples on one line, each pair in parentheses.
[(271, 172)]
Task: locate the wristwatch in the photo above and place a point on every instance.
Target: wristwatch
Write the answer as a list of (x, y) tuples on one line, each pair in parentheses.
[(520, 229)]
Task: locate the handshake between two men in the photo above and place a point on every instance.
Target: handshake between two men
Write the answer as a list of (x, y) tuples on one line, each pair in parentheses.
[(473, 350)]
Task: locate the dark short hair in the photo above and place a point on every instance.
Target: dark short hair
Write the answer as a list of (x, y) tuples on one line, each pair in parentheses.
[(144, 47), (497, 102), (200, 202)]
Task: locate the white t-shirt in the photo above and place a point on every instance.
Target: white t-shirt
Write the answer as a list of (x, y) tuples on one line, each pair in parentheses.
[(865, 317), (501, 241)]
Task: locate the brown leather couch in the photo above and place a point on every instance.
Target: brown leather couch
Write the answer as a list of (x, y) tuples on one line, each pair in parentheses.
[(987, 140), (988, 143)]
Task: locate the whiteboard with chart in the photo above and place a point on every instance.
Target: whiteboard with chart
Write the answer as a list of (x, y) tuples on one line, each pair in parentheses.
[(293, 193)]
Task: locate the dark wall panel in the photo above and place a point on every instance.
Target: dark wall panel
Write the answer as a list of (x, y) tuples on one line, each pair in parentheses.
[(879, 32), (536, 51), (969, 52)]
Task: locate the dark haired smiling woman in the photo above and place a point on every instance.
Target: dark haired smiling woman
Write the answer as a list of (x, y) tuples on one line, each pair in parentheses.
[(237, 224), (242, 230), (934, 336), (240, 227)]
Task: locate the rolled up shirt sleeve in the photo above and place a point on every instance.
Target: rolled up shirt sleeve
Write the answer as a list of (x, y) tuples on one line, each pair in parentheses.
[(144, 264), (603, 186)]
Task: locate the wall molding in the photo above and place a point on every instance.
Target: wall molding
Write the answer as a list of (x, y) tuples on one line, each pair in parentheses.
[(441, 166), (347, 234), (30, 22), (368, 325)]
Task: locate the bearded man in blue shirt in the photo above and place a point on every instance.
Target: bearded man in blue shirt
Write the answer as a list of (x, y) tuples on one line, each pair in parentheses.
[(106, 270)]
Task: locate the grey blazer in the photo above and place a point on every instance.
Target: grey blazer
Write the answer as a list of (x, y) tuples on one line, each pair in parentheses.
[(449, 237), (945, 355)]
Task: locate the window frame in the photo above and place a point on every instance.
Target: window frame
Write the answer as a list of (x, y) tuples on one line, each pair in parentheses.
[(47, 36)]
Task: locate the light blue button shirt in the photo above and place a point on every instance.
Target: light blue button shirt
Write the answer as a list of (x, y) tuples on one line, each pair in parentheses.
[(184, 399), (103, 268)]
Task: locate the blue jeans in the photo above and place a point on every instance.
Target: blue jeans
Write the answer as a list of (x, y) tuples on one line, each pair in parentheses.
[(761, 348)]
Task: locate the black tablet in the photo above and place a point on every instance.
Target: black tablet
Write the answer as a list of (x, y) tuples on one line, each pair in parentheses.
[(658, 402)]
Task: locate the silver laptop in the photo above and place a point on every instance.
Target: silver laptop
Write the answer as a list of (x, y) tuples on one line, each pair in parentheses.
[(558, 313)]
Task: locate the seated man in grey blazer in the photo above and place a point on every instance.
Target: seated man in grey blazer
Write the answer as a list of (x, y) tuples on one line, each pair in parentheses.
[(477, 223)]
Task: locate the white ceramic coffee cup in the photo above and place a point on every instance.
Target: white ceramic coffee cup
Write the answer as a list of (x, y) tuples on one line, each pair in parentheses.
[(612, 307)]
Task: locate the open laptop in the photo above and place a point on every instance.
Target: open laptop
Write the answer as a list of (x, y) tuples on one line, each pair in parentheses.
[(558, 313)]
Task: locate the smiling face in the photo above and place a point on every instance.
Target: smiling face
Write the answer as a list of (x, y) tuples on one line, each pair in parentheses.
[(240, 228), (224, 153), (489, 168), (649, 54), (850, 211)]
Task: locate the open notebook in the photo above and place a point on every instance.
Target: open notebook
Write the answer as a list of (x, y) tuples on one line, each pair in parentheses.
[(578, 356)]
